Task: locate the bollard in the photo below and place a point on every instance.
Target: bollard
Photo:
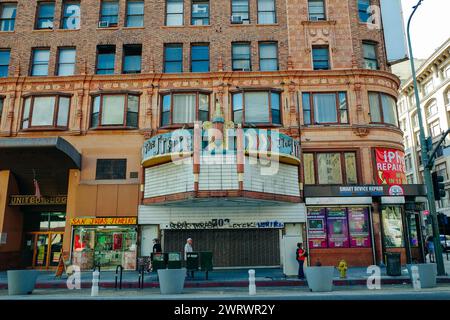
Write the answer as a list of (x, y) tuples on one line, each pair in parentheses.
[(94, 290), (415, 278), (251, 282)]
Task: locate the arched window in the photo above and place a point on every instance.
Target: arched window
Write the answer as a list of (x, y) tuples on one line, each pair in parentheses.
[(431, 109)]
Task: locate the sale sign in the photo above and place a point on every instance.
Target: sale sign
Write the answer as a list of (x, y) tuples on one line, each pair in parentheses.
[(391, 168)]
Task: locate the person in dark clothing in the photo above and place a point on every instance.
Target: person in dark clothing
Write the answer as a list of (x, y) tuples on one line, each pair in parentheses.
[(301, 256), (156, 246)]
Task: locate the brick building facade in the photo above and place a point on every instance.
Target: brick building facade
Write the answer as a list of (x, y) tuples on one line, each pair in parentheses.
[(69, 165)]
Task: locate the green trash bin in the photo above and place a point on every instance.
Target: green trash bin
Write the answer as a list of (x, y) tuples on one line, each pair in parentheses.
[(393, 264), (206, 263), (159, 261), (174, 260), (192, 262)]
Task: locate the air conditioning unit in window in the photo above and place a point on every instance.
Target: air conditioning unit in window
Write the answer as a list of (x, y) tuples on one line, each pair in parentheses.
[(313, 18), (103, 24), (198, 22), (236, 19)]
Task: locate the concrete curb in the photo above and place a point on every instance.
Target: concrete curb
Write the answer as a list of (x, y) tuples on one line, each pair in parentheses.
[(230, 284)]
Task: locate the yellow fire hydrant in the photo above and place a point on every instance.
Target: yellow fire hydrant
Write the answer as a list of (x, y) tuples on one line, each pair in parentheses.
[(342, 267)]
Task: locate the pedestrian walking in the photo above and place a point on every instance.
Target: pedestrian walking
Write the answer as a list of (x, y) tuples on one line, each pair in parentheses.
[(301, 256), (188, 247), (430, 247), (156, 246)]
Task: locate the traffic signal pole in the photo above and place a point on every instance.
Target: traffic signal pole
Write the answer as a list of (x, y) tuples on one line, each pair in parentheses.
[(425, 157)]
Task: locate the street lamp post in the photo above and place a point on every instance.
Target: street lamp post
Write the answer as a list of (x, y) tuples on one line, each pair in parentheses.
[(425, 157)]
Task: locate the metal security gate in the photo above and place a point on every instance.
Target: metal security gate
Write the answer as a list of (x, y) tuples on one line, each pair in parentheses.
[(231, 248)]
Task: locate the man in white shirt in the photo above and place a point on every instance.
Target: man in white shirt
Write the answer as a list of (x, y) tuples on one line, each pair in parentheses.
[(187, 247)]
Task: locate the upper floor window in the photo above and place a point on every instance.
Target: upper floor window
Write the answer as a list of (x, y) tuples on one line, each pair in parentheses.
[(266, 12), (325, 108), (200, 12), (71, 15), (316, 9), (363, 10), (66, 61), (4, 62), (435, 129), (330, 168), (184, 108), (240, 12), (39, 65), (241, 57), (132, 57), (257, 107), (7, 16), (431, 109), (441, 170), (428, 87), (200, 58), (173, 58), (268, 56), (106, 56), (115, 110), (383, 108), (45, 15), (109, 14), (46, 112), (135, 13), (2, 101), (370, 55), (321, 57), (111, 169), (174, 12)]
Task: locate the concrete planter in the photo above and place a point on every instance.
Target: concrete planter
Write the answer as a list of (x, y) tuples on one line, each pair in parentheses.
[(21, 282), (171, 281), (320, 279), (427, 274)]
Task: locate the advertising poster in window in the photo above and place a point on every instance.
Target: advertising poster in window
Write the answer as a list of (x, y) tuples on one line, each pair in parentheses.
[(359, 227), (317, 233), (392, 227), (391, 169), (337, 228)]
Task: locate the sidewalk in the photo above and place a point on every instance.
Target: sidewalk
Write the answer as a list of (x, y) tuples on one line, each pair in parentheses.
[(265, 277)]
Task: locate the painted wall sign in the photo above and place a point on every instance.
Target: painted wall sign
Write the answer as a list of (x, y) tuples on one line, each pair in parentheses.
[(29, 200), (223, 224), (391, 168), (103, 221)]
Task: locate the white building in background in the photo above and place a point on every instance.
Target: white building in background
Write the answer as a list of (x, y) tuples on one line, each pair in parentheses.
[(433, 76)]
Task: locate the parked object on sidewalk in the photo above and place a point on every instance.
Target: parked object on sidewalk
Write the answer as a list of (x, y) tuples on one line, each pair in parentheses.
[(320, 279), (251, 282), (427, 274), (393, 264), (171, 281), (21, 282), (414, 273), (199, 261), (94, 289), (342, 267)]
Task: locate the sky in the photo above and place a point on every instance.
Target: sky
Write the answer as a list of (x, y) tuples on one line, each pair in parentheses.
[(430, 26)]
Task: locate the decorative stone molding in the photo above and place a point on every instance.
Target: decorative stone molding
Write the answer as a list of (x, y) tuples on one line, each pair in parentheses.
[(361, 131)]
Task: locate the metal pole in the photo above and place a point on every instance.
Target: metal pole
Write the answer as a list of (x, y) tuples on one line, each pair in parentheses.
[(424, 151)]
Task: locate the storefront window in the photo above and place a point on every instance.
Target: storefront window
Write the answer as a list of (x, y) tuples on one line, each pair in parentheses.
[(392, 227), (105, 246), (338, 228), (413, 235)]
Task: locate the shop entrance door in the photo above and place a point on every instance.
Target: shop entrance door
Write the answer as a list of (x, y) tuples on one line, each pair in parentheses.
[(45, 248)]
